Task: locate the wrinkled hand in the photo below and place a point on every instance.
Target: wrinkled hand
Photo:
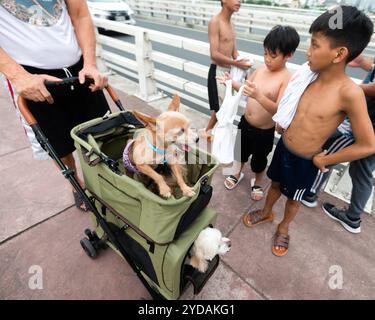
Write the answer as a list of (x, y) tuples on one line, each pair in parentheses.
[(318, 161), (91, 72), (31, 86), (243, 64), (251, 90), (224, 78)]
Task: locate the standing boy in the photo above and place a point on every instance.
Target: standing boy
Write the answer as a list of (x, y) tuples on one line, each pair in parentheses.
[(223, 51), (265, 87), (361, 170), (323, 105)]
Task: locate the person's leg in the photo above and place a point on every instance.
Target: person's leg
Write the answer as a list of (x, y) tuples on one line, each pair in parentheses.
[(335, 143), (281, 238), (273, 195), (211, 123), (275, 170), (361, 174), (213, 99), (69, 161), (257, 192), (242, 151), (310, 198), (240, 166), (259, 177), (291, 210), (263, 145)]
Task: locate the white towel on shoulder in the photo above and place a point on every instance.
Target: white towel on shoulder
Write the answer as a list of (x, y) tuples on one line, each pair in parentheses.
[(289, 102), (225, 131)]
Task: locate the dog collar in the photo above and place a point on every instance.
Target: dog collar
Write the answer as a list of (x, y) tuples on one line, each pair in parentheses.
[(156, 149), (153, 148)]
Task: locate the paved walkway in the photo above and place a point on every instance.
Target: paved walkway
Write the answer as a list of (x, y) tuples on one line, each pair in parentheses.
[(41, 227)]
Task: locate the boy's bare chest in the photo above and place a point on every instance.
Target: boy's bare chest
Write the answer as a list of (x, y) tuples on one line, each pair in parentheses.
[(227, 34), (269, 85), (318, 103)]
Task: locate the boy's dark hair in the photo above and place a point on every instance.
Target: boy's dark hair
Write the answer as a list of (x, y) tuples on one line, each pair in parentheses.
[(282, 38), (221, 2), (356, 32)]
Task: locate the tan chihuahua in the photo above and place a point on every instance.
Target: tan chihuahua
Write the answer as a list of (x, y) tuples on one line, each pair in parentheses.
[(165, 140)]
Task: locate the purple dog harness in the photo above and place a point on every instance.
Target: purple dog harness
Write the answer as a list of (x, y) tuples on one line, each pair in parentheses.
[(125, 157)]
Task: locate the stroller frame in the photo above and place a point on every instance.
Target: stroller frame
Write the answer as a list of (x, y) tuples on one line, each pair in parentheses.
[(93, 241)]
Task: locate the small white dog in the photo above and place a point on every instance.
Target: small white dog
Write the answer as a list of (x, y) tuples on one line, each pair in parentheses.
[(209, 243)]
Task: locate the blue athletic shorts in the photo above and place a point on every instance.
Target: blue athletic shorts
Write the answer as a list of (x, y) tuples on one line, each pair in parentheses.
[(294, 173)]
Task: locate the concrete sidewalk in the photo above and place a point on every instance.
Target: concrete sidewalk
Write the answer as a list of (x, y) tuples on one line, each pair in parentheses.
[(41, 227)]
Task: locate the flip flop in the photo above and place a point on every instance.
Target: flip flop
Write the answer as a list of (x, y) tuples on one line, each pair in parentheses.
[(255, 217), (233, 180), (280, 240), (257, 192)]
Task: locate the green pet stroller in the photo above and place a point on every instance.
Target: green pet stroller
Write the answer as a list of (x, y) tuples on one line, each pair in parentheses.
[(154, 235)]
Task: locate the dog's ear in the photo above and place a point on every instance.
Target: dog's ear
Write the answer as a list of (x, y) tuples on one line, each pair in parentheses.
[(175, 104), (147, 120)]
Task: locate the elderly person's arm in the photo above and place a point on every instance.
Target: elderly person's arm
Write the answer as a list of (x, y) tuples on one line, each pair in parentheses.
[(84, 29), (30, 86)]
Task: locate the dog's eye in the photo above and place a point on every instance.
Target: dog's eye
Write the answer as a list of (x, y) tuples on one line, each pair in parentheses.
[(181, 131)]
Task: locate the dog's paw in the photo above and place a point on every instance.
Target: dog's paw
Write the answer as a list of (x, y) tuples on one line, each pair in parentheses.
[(165, 191), (188, 192)]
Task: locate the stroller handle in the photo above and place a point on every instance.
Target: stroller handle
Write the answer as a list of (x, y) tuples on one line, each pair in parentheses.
[(29, 118)]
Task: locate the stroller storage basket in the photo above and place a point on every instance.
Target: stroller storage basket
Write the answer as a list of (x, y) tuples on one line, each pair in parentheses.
[(151, 216), (163, 266)]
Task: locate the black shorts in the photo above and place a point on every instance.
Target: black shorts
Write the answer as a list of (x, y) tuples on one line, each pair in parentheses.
[(253, 141), (213, 95), (294, 173), (216, 91), (70, 108)]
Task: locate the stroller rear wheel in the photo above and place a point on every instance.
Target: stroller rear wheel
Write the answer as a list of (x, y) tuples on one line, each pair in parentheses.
[(88, 247), (98, 243)]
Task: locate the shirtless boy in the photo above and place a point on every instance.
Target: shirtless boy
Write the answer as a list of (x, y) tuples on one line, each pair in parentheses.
[(264, 89), (323, 106), (223, 51)]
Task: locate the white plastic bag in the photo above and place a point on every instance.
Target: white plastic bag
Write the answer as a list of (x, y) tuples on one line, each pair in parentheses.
[(225, 131)]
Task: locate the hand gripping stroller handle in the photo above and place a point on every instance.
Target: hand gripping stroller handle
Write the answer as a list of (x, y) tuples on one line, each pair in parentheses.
[(65, 82), (75, 80), (24, 109)]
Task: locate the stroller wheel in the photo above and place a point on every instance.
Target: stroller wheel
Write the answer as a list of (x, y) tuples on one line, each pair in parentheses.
[(96, 242), (88, 247)]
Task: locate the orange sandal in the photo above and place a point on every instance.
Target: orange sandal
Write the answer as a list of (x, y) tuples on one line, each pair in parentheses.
[(282, 241), (253, 218)]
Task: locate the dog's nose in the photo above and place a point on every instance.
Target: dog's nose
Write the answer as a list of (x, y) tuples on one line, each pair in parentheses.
[(196, 140)]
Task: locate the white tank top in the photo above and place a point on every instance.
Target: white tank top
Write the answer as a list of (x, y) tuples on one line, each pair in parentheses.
[(38, 33)]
